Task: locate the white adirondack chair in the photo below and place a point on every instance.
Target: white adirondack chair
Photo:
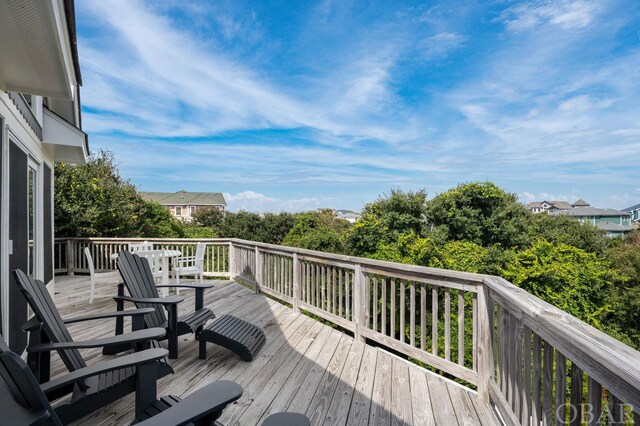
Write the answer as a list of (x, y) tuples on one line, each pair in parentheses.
[(190, 265), (155, 261), (138, 247), (103, 277)]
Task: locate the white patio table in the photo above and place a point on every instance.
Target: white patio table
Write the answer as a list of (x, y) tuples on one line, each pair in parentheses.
[(164, 256)]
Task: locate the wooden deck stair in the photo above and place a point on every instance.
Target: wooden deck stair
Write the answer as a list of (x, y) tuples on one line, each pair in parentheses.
[(304, 366)]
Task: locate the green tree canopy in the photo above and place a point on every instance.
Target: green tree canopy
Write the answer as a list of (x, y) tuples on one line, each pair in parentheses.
[(567, 230), (93, 200), (480, 213), (318, 231), (386, 219)]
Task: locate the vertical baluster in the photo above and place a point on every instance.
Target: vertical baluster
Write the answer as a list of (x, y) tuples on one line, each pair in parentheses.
[(339, 293), (412, 312), (595, 401), (434, 321), (374, 305), (383, 304), (392, 311), (333, 283), (561, 389), (447, 324), (347, 291), (616, 411), (536, 409), (475, 330), (403, 305), (576, 395), (329, 286), (516, 367), (526, 403), (460, 327), (547, 387), (423, 316)]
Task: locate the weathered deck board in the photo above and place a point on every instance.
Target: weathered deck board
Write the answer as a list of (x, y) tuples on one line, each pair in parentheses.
[(304, 367)]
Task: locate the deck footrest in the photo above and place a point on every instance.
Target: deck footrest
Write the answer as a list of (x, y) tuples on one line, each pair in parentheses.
[(239, 336)]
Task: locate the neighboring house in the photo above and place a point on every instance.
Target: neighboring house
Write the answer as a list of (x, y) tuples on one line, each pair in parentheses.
[(613, 222), (548, 206), (635, 213), (39, 126), (183, 205), (348, 215)]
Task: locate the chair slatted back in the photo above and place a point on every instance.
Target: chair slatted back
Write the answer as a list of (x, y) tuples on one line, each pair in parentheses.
[(45, 309), (137, 276), (21, 385), (200, 249)]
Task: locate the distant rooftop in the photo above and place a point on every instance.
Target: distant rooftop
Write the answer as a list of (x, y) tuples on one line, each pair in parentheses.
[(581, 203), (614, 227), (185, 198), (590, 211), (628, 209)]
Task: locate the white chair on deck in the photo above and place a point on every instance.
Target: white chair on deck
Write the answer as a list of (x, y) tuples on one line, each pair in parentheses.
[(190, 265), (155, 261), (104, 276)]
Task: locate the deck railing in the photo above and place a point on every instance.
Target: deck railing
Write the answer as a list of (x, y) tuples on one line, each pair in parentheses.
[(537, 364)]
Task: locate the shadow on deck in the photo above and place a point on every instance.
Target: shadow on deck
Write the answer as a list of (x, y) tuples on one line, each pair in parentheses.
[(304, 367)]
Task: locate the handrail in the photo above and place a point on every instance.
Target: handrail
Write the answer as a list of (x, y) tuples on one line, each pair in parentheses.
[(534, 362)]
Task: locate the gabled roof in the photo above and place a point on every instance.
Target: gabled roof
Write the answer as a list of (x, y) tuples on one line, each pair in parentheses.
[(614, 227), (185, 198), (591, 211), (581, 203), (632, 208), (562, 205)]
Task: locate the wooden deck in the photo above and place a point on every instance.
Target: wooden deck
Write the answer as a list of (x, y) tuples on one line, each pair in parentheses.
[(304, 367)]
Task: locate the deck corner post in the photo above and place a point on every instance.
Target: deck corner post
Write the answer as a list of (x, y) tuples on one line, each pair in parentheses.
[(297, 290), (232, 261), (485, 345), (70, 257), (258, 271), (359, 311)]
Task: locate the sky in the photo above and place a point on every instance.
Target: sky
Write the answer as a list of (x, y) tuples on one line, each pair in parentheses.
[(298, 105)]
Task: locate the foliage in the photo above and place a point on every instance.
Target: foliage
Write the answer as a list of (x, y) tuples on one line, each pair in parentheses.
[(275, 227), (318, 231), (565, 276), (93, 200), (480, 213), (209, 218), (386, 219), (567, 230)]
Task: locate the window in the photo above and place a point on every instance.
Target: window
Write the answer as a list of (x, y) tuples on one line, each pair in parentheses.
[(192, 210), (178, 211)]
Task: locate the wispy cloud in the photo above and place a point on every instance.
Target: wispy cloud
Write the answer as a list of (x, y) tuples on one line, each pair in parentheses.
[(337, 103), (256, 202)]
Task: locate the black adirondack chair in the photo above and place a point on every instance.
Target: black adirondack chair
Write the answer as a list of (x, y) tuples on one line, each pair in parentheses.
[(138, 279), (93, 387), (23, 402)]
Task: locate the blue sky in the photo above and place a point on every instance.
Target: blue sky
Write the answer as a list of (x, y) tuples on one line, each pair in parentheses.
[(295, 105)]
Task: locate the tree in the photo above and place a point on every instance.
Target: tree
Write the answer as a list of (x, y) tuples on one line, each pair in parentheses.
[(243, 225), (93, 200), (274, 227), (565, 276), (318, 231), (567, 230), (212, 218), (386, 219), (481, 213)]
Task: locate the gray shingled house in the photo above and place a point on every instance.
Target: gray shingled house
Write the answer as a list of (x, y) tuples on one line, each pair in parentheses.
[(184, 204)]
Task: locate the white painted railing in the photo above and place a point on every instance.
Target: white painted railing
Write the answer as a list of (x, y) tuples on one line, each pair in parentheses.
[(536, 363)]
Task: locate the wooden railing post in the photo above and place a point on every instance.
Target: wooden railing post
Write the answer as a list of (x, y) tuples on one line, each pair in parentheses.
[(297, 290), (359, 309), (232, 261), (258, 271), (70, 257), (485, 345)]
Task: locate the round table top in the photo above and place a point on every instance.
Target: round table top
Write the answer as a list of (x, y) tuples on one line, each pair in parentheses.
[(161, 252)]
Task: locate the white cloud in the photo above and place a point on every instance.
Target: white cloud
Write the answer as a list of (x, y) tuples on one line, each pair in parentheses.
[(260, 203), (441, 44), (566, 14)]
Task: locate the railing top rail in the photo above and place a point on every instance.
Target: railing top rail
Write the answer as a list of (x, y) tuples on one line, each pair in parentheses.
[(609, 361), (421, 271)]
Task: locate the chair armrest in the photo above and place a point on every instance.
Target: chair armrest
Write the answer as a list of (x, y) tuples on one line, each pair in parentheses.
[(33, 323), (208, 400), (171, 300), (196, 286), (129, 338), (132, 360), (127, 313)]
